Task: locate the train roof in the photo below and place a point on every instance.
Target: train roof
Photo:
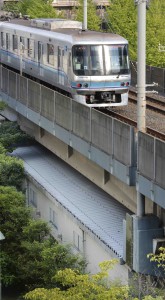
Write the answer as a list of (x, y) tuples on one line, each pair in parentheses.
[(69, 30)]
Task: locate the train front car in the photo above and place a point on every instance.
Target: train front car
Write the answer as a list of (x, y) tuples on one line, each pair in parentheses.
[(101, 69)]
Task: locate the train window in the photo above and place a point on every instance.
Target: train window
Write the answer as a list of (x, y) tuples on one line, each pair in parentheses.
[(88, 60), (80, 60), (30, 48), (2, 40), (59, 57), (7, 41), (116, 59), (15, 42), (50, 54), (40, 50), (96, 60)]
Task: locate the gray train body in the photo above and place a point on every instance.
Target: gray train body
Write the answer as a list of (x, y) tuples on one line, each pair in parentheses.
[(91, 67)]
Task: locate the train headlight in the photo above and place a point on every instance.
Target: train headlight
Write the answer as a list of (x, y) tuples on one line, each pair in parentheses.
[(79, 85), (85, 85)]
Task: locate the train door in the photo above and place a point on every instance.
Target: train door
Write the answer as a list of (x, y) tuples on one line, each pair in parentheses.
[(69, 64), (60, 65), (40, 57), (40, 52)]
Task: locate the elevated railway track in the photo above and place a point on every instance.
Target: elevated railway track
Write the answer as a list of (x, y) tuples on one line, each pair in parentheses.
[(155, 112)]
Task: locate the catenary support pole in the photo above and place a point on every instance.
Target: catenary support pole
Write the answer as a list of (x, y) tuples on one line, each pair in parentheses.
[(85, 16), (141, 67), (141, 86)]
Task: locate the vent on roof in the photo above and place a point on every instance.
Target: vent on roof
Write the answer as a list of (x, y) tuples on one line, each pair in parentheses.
[(52, 24)]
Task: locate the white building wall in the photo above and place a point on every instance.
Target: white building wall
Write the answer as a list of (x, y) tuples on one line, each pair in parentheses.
[(68, 230)]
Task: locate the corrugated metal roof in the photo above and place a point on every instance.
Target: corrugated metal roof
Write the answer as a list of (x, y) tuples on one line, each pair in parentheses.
[(93, 207)]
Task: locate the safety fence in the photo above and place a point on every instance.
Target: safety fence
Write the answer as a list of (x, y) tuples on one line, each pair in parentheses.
[(153, 74), (107, 134)]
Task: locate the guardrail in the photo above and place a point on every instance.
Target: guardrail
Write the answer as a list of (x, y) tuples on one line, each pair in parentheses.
[(153, 74)]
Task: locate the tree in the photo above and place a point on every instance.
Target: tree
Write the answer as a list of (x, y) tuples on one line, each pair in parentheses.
[(122, 17), (155, 33), (76, 286), (14, 216), (30, 256), (11, 171), (159, 258), (2, 149), (44, 259), (93, 20), (11, 136), (37, 8), (2, 105)]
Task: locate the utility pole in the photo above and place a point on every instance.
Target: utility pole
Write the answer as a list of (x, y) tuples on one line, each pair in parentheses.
[(141, 85), (141, 66), (1, 238), (84, 27)]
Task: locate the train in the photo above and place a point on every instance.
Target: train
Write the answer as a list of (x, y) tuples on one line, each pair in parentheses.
[(88, 66)]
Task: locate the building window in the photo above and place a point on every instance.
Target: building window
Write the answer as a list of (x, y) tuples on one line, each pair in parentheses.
[(53, 218), (32, 198), (78, 241)]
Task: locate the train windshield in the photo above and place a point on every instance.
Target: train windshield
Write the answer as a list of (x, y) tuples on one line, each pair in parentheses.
[(100, 60), (116, 59)]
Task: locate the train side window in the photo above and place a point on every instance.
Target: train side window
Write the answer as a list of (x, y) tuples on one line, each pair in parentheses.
[(40, 51), (59, 58), (2, 40), (7, 41), (50, 54), (30, 48), (15, 42), (69, 63)]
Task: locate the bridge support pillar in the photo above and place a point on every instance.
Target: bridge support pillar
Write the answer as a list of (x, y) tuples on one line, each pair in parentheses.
[(140, 205)]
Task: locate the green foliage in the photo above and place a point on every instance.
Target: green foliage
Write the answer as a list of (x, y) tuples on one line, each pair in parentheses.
[(93, 21), (2, 149), (37, 8), (155, 33), (14, 216), (122, 16), (2, 105), (11, 171), (158, 258), (76, 286), (11, 135), (36, 230), (44, 260), (30, 257)]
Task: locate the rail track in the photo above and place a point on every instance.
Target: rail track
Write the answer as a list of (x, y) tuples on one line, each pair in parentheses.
[(154, 102), (155, 111)]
